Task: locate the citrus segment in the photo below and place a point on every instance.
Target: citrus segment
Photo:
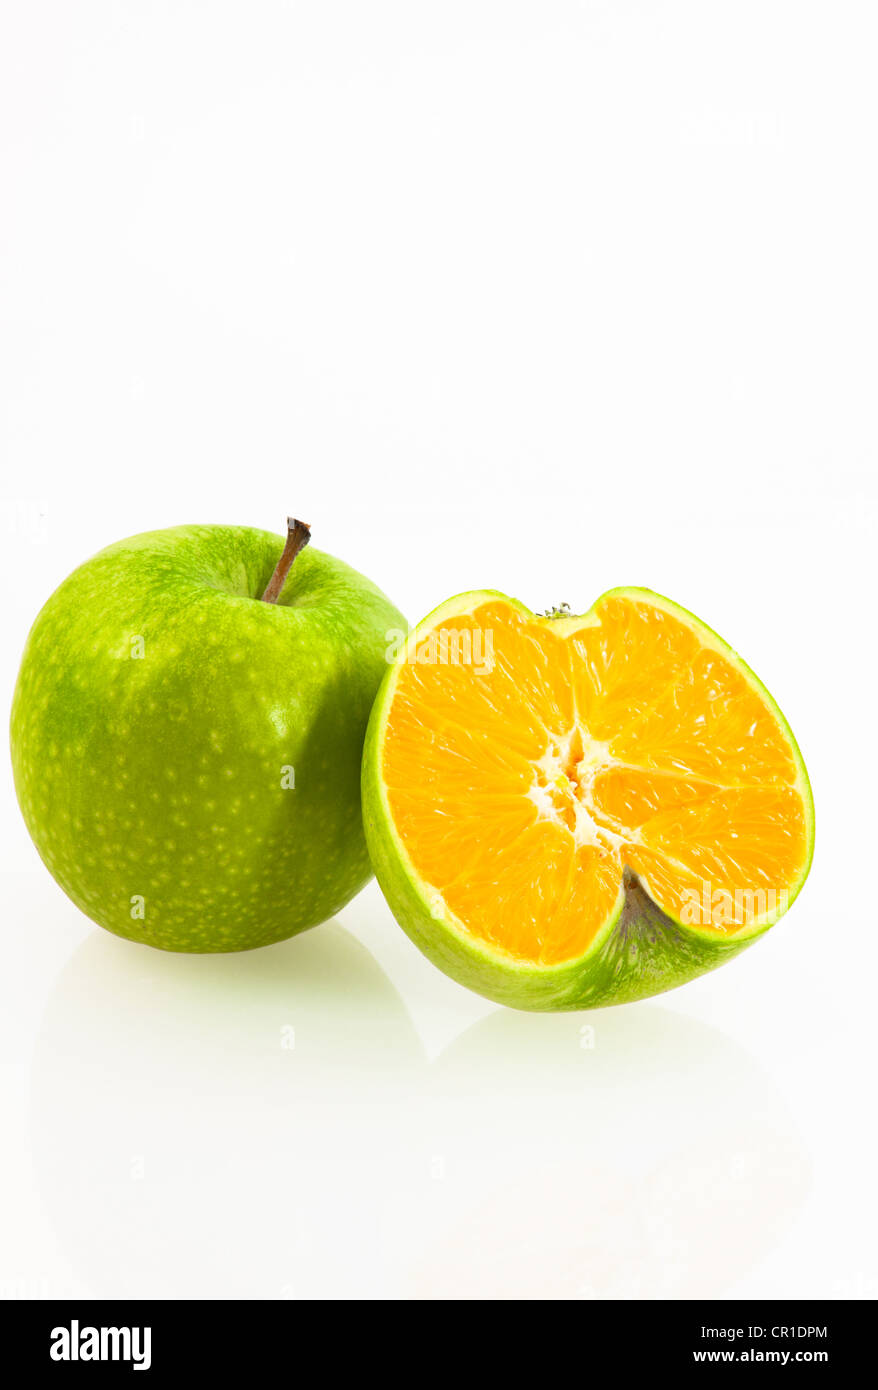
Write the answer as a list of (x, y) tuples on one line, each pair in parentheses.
[(527, 770)]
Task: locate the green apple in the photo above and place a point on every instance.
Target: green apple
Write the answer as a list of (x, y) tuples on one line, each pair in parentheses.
[(187, 731)]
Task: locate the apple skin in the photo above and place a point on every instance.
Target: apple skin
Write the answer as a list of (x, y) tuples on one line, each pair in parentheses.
[(187, 757)]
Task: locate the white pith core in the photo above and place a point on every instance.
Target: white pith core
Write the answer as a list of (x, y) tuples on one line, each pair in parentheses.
[(563, 790)]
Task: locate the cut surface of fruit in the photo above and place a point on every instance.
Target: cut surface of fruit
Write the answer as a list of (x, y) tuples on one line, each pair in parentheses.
[(530, 770)]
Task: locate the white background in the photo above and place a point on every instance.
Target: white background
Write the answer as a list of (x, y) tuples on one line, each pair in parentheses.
[(545, 297)]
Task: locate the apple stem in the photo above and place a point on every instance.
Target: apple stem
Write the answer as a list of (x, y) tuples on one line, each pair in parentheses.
[(298, 536)]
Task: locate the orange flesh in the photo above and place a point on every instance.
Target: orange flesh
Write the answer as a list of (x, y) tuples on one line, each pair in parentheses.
[(525, 765)]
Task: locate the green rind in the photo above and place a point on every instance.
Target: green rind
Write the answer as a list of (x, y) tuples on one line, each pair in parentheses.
[(640, 951), (161, 778)]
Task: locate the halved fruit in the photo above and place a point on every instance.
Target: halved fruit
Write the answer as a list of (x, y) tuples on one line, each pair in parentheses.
[(571, 811)]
